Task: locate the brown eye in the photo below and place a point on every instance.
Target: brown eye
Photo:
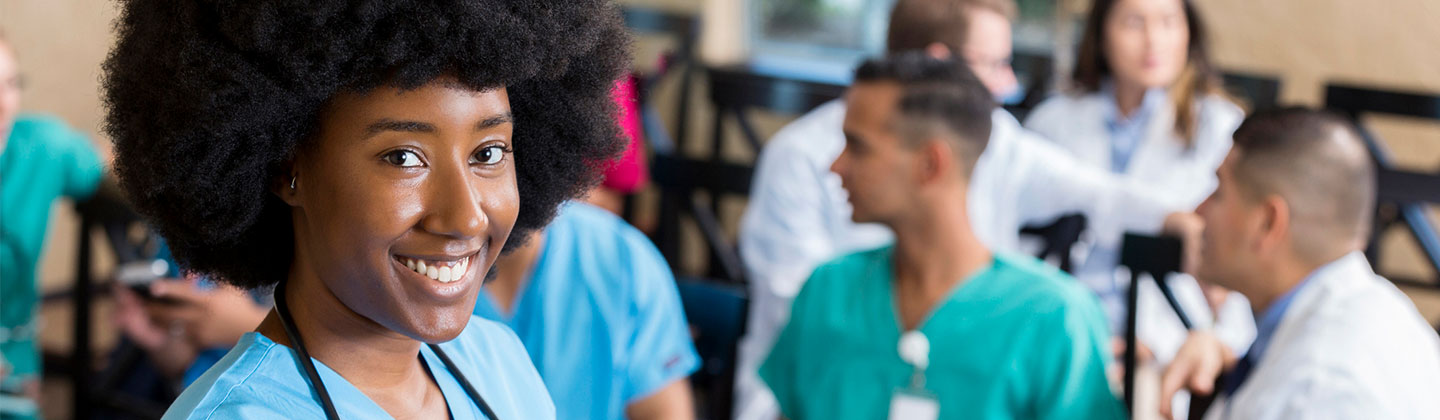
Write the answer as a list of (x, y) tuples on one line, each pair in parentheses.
[(402, 158), (490, 155)]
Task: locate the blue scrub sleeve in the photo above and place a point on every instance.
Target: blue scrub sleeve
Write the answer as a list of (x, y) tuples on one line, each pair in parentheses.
[(660, 345)]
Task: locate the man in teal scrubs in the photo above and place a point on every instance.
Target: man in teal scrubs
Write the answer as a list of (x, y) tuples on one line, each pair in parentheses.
[(40, 160), (987, 336)]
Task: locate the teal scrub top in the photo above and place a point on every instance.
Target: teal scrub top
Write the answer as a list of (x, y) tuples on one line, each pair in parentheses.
[(1018, 340), (42, 160), (260, 379), (600, 316)]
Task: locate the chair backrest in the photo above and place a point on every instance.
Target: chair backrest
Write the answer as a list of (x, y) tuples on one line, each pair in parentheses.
[(716, 312), (1258, 91), (1059, 237), (1402, 194)]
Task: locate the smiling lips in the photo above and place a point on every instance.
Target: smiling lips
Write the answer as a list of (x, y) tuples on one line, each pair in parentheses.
[(442, 271)]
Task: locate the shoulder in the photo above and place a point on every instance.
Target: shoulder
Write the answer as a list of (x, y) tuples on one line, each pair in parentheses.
[(1218, 112), (845, 274), (586, 235), (255, 379), (1061, 107), (488, 341), (1042, 289), (492, 356), (812, 135), (45, 129)]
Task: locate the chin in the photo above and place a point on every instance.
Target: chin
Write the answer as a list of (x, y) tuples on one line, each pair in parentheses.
[(442, 326)]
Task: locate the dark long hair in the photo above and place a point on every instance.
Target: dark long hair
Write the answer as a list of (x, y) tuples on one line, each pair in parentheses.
[(1199, 77)]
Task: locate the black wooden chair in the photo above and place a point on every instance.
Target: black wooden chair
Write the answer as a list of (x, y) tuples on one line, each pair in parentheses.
[(1403, 194)]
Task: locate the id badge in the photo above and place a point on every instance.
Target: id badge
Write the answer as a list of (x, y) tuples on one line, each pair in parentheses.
[(908, 404)]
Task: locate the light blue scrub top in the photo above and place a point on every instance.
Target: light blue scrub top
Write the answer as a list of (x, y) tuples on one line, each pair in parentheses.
[(260, 379), (600, 316)]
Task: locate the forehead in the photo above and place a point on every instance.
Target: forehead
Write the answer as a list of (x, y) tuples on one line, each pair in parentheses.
[(989, 32), (868, 105), (1149, 6)]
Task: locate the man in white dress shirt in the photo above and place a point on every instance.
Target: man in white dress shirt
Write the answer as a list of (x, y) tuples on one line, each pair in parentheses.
[(1286, 227)]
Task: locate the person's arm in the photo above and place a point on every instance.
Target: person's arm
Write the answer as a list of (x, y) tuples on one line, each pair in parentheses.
[(83, 169), (673, 402), (1197, 364), (662, 353), (1054, 183)]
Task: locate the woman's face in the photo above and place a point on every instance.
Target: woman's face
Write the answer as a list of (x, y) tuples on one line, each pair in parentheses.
[(1147, 42), (400, 179)]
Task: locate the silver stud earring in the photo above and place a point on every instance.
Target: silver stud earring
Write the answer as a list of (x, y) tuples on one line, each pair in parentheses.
[(292, 182)]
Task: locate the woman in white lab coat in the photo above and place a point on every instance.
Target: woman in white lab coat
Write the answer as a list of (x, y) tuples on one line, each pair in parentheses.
[(1148, 107)]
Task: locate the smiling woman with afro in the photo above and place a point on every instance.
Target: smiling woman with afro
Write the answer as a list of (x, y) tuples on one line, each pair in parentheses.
[(368, 160)]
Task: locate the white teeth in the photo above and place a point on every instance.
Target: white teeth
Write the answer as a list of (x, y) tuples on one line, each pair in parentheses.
[(459, 270), (443, 271)]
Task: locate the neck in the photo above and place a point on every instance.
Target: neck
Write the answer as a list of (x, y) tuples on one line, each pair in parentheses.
[(1128, 97), (1280, 279), (370, 356), (934, 252), (512, 273)]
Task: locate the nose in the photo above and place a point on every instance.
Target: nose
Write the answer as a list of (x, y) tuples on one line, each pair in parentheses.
[(453, 203), (840, 163), (1204, 207)]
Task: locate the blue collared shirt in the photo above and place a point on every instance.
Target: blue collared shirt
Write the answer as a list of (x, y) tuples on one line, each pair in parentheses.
[(1266, 323), (1128, 132)]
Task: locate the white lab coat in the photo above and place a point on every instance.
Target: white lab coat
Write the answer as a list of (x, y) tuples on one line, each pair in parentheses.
[(798, 217), (1166, 170), (1350, 346)]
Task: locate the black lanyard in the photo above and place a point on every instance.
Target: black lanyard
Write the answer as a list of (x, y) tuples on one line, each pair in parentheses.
[(314, 377)]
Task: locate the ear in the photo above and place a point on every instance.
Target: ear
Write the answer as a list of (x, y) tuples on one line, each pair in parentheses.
[(937, 161), (1275, 222), (287, 185), (938, 51)]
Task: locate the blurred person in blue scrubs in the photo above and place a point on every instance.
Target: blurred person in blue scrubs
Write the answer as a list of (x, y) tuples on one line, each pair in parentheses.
[(41, 160), (597, 308)]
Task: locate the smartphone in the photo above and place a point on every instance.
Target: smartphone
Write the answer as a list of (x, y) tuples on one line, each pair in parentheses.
[(139, 275)]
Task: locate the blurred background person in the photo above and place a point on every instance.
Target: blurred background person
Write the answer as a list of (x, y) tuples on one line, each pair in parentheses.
[(41, 160), (798, 216), (597, 309), (1286, 227), (980, 334), (1148, 107)]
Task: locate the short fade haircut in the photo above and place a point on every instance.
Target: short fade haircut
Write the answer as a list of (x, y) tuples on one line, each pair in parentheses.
[(938, 97), (915, 24), (1317, 162)]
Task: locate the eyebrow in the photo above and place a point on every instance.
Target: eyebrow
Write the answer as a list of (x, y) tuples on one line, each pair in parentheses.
[(406, 126)]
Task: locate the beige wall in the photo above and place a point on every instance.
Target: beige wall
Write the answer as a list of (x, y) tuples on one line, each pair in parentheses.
[(1386, 43)]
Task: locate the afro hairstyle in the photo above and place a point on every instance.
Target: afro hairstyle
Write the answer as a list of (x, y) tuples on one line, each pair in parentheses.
[(208, 101)]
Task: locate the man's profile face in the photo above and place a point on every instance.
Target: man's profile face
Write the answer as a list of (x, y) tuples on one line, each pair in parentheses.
[(874, 167), (1231, 224)]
